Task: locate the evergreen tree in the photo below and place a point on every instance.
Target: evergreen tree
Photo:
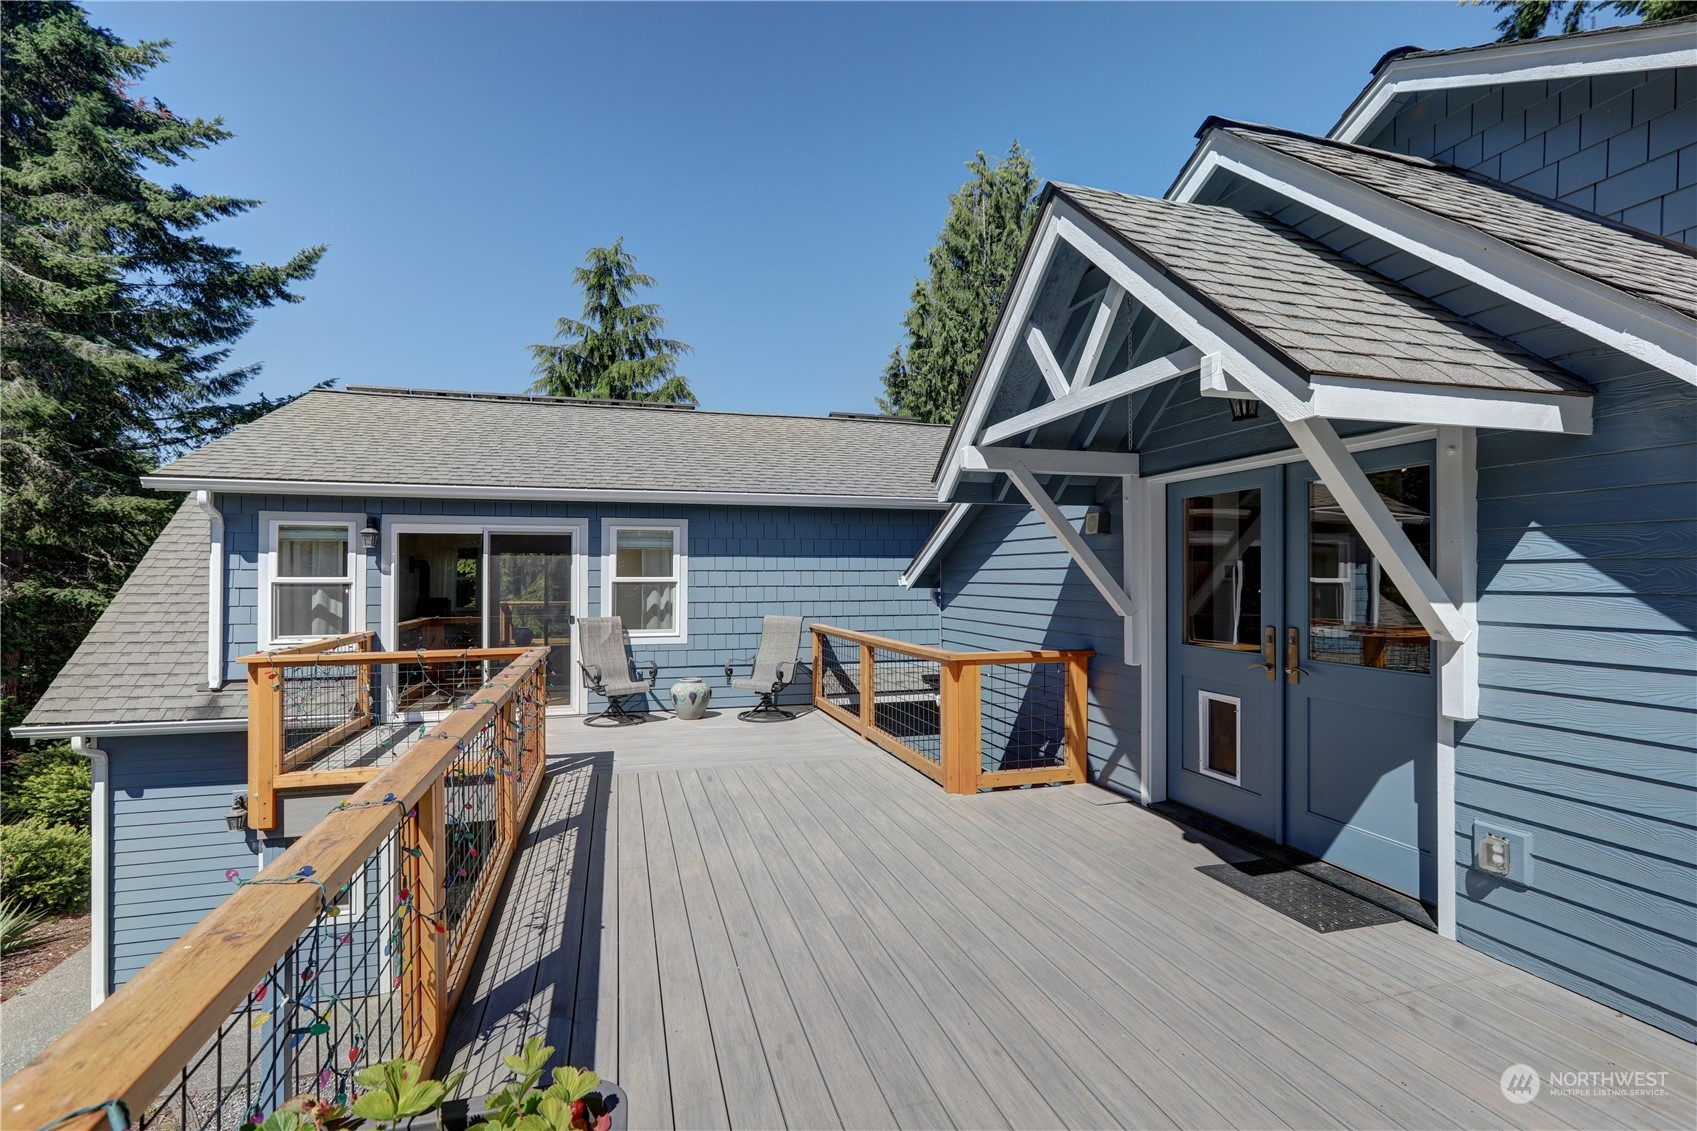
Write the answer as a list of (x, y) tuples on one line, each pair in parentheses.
[(1527, 19), (618, 352), (118, 320), (951, 313)]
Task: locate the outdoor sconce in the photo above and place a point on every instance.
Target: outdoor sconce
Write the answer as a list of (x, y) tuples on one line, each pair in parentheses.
[(368, 536), (236, 819), (1098, 520), (1244, 409)]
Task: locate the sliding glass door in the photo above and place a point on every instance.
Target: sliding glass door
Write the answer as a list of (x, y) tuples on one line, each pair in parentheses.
[(530, 601)]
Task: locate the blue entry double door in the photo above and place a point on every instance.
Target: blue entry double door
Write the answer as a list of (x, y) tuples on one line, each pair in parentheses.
[(1301, 701)]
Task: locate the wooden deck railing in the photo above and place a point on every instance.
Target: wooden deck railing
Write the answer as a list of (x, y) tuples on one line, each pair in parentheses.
[(349, 949), (969, 720), (330, 713)]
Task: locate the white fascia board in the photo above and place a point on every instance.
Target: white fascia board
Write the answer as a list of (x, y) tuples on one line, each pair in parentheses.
[(1049, 461), (1645, 330), (1017, 314), (1647, 47), (1286, 390), (555, 494), (1401, 402), (119, 730), (934, 545)]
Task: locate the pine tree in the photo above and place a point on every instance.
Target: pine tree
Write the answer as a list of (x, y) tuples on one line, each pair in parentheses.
[(118, 320), (1527, 19), (951, 313), (618, 352)]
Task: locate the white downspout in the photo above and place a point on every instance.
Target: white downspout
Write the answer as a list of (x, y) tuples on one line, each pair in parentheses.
[(100, 871), (214, 591)]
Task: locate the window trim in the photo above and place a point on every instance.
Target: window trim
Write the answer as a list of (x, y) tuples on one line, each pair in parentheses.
[(679, 529), (271, 523), (1203, 698)]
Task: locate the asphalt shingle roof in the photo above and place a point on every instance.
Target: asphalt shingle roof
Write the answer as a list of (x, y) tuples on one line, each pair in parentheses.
[(144, 660), (1325, 313), (1635, 262), (380, 437)]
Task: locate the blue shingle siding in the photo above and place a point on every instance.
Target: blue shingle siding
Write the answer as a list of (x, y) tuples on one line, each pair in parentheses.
[(1618, 145), (832, 565), (1587, 736), (170, 847), (1007, 583)]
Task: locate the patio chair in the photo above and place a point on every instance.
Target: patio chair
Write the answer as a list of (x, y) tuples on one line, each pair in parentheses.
[(774, 668), (607, 669)]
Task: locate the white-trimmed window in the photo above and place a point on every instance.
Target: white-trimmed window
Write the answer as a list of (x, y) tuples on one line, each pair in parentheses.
[(310, 584), (644, 565)]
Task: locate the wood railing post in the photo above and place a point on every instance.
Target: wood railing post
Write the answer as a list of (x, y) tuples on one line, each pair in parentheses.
[(1077, 716), (958, 709), (818, 667), (264, 743), (424, 999), (868, 691), (362, 696), (511, 738)]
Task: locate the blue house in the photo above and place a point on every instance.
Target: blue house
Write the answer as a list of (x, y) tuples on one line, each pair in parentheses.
[(1365, 463), (690, 525)]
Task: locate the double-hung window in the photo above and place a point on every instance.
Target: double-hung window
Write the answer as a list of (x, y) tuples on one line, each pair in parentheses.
[(643, 572), (312, 585)]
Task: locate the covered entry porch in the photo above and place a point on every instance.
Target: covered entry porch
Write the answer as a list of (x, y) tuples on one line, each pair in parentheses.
[(785, 925)]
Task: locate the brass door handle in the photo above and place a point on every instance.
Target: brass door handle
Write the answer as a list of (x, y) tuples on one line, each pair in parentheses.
[(1294, 671), (1269, 654)]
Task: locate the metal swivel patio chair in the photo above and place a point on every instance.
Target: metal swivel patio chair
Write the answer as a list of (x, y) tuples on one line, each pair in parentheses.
[(774, 668), (607, 669)]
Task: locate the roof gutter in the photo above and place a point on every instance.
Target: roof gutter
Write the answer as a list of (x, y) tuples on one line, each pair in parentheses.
[(551, 494), (215, 571), (1644, 47), (119, 730)]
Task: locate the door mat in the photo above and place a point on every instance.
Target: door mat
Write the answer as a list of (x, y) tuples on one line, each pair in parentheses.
[(1316, 905)]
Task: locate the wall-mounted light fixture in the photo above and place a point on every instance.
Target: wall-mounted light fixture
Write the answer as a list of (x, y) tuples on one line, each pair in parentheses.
[(368, 536), (1098, 520), (1244, 409), (236, 819)]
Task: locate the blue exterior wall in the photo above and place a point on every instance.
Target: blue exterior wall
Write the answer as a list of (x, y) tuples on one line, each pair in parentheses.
[(170, 847), (1587, 736), (1005, 582), (1623, 146), (832, 565)]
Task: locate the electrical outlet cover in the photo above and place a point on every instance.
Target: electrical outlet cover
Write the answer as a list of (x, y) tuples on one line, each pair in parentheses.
[(1519, 853)]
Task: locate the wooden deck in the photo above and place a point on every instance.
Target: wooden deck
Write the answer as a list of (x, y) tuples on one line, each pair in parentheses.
[(767, 926)]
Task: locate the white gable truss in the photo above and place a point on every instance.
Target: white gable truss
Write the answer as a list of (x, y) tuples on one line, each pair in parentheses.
[(1227, 361)]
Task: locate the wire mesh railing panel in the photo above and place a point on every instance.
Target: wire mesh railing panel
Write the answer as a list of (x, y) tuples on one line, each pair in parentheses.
[(1022, 715), (839, 673), (906, 701), (329, 1008), (471, 812)]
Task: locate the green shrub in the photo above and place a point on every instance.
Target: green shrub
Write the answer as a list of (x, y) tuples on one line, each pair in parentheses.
[(50, 783), (16, 922), (45, 866)]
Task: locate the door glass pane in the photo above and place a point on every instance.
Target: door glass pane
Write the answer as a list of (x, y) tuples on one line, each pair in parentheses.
[(530, 580), (439, 586), (1222, 570), (1356, 615)]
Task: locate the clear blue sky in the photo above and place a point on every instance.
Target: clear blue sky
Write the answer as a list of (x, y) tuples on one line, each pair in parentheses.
[(781, 170)]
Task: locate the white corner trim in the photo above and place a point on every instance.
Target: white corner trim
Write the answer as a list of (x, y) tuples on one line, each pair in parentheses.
[(1455, 552), (1049, 461), (1046, 362), (216, 567), (269, 521), (680, 566), (347, 488), (934, 545), (1646, 47), (1143, 376), (100, 867), (1062, 529), (1638, 328)]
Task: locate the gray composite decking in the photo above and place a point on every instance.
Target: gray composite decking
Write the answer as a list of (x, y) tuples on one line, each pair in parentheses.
[(765, 926)]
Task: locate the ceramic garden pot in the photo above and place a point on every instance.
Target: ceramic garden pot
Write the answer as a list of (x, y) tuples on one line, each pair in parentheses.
[(690, 697)]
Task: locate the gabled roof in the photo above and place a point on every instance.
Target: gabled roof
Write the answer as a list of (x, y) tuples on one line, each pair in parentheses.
[(1638, 263), (144, 661), (1323, 313), (417, 443)]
